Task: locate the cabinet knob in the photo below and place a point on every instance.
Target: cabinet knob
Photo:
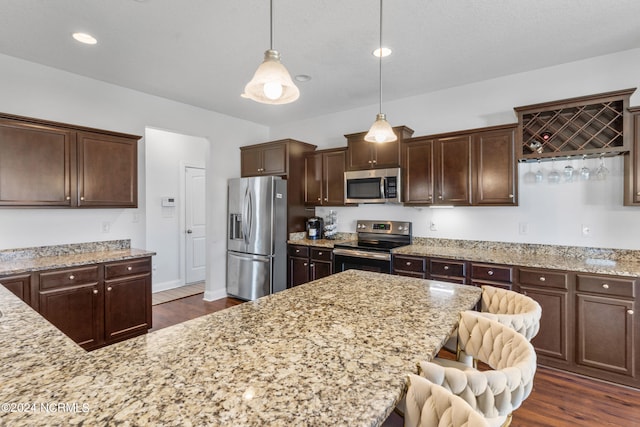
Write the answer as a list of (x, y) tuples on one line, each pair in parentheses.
[(95, 292), (312, 265), (305, 264), (68, 197), (129, 268), (297, 250), (369, 162), (109, 288), (375, 161), (605, 286), (440, 197), (319, 199), (430, 198), (81, 197), (629, 311), (542, 278), (72, 277), (326, 199), (638, 193), (490, 272), (446, 267), (408, 262), (319, 253), (511, 196)]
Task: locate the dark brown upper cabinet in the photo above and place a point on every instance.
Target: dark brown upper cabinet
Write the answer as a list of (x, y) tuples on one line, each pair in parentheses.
[(49, 164), (324, 177), (632, 163), (474, 167), (494, 167), (363, 154)]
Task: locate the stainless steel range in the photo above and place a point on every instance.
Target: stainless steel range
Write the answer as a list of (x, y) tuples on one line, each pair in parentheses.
[(372, 250)]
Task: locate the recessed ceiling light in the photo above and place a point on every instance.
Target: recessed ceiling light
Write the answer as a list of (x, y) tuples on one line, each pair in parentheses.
[(85, 38), (385, 52), (302, 78)]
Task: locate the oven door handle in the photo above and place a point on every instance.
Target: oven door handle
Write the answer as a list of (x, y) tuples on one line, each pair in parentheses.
[(362, 254)]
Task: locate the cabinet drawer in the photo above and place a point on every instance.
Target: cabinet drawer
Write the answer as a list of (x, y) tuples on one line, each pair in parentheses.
[(546, 278), (606, 285), (127, 268), (321, 254), (498, 273), (447, 268), (69, 277), (299, 251), (406, 263)]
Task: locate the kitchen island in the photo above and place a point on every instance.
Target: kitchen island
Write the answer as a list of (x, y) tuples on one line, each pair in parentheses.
[(332, 352)]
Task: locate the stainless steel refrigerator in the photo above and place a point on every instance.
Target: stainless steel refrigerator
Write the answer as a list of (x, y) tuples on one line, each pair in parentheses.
[(256, 236)]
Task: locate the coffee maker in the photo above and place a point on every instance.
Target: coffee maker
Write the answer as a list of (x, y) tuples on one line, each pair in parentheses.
[(314, 228)]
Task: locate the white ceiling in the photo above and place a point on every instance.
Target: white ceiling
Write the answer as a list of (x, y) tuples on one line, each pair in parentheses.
[(203, 52)]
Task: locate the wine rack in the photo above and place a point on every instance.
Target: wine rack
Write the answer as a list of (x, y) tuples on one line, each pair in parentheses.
[(588, 125)]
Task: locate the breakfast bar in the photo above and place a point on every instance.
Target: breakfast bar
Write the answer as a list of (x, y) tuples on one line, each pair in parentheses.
[(331, 352)]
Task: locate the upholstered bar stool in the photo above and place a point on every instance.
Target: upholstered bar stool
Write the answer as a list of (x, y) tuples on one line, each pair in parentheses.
[(495, 393), (430, 405), (517, 311)]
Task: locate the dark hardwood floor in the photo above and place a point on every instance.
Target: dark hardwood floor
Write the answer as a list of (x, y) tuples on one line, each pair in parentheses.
[(558, 399)]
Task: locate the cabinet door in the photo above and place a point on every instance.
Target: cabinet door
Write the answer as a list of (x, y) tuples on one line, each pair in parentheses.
[(333, 176), (77, 311), (127, 307), (386, 155), (417, 161), (107, 171), (494, 168), (359, 155), (320, 269), (604, 333), (552, 338), (298, 271), (632, 163), (37, 165), (313, 179), (19, 285), (453, 170), (274, 159), (250, 162)]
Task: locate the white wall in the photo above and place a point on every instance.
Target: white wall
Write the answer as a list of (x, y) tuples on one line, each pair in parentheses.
[(166, 155), (553, 214), (33, 90)]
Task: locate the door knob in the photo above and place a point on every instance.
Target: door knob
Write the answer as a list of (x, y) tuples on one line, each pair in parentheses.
[(189, 231)]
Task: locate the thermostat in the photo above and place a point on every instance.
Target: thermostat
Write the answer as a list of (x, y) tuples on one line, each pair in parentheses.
[(168, 201)]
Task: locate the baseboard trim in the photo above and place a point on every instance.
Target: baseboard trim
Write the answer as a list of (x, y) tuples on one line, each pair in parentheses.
[(165, 286), (215, 294)]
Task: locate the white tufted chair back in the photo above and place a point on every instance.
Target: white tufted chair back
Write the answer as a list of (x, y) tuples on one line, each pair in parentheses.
[(429, 405), (515, 310), (497, 392)]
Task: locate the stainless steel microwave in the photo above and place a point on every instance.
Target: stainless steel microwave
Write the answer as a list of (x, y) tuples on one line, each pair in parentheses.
[(372, 186)]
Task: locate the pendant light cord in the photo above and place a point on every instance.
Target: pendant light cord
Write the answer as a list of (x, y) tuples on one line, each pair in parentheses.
[(380, 62), (271, 24)]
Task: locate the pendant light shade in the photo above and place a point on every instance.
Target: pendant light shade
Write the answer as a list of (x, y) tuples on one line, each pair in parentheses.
[(271, 83), (380, 130)]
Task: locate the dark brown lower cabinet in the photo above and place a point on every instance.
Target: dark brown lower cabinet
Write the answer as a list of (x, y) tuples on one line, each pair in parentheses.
[(98, 304), (410, 266), (308, 263), (447, 270), (19, 285)]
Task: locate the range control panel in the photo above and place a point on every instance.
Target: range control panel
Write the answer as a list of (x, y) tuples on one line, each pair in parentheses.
[(384, 227)]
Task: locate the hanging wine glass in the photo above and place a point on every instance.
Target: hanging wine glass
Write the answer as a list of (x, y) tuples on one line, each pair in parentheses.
[(602, 171), (585, 172), (539, 173), (554, 175), (568, 171), (529, 177)]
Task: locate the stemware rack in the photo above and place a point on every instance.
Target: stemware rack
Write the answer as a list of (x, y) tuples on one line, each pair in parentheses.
[(590, 126)]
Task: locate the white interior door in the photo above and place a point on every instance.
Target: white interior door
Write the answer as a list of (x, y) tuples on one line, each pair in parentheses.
[(195, 221)]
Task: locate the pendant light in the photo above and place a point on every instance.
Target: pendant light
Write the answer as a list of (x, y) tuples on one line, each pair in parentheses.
[(271, 84), (380, 130)]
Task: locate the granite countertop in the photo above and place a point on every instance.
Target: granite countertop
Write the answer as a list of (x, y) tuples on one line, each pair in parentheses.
[(323, 243), (25, 260), (555, 257), (331, 352)]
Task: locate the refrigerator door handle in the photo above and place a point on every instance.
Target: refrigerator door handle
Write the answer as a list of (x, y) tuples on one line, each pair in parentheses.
[(250, 218)]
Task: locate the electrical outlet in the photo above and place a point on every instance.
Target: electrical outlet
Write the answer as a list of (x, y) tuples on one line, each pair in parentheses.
[(523, 228), (106, 227), (433, 226), (586, 230)]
